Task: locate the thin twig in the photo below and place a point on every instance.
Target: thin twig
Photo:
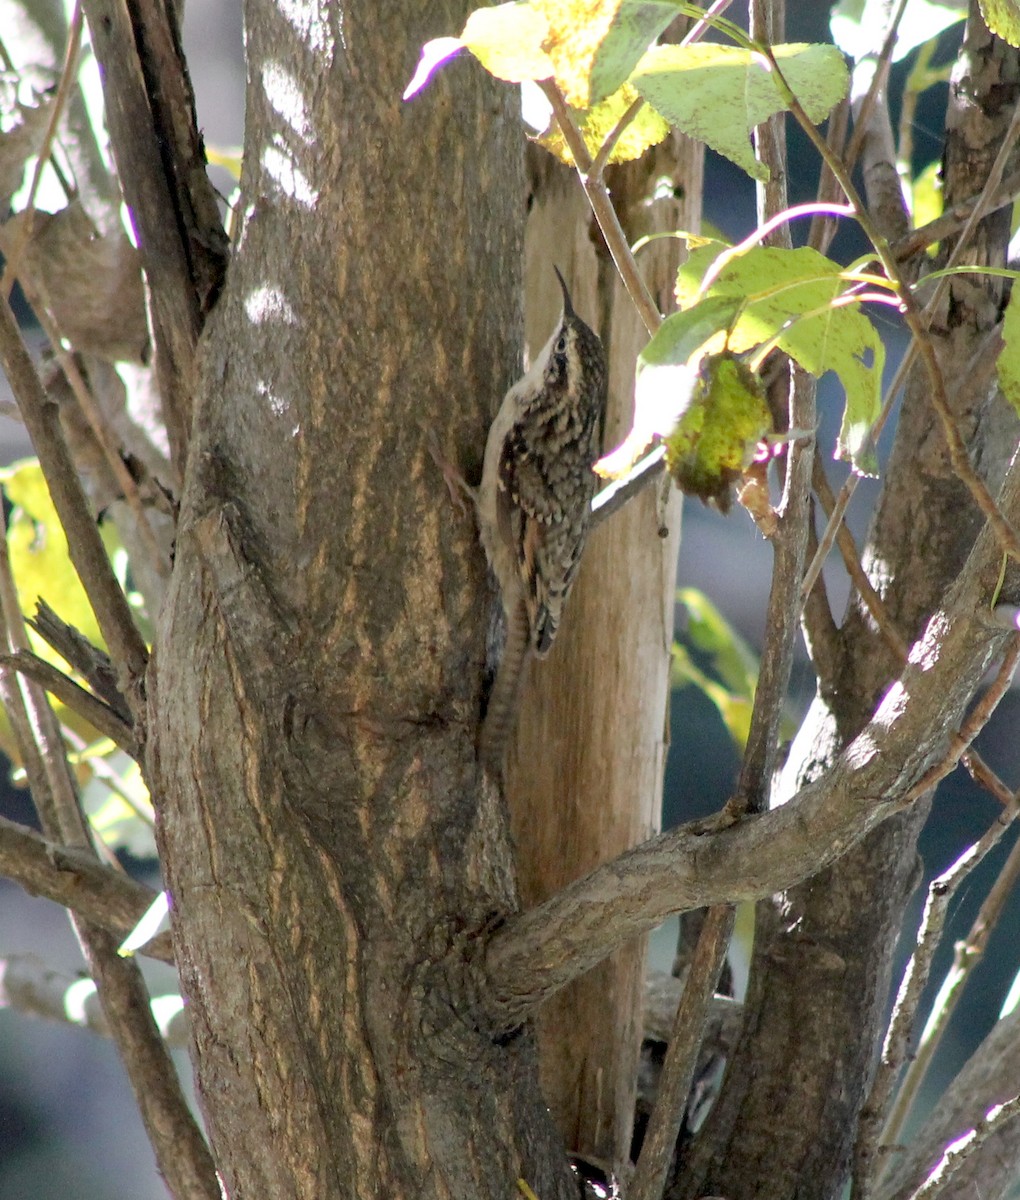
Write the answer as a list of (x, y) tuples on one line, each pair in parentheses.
[(852, 562), (967, 954), (78, 882), (974, 763), (97, 422), (602, 158), (985, 777), (958, 455), (94, 710), (682, 1055), (957, 1154), (862, 116), (875, 1143), (616, 494), (85, 547), (28, 986), (789, 542), (602, 206), (850, 483), (956, 218), (182, 1155), (959, 742)]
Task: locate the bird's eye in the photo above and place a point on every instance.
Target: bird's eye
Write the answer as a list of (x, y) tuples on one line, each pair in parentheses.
[(561, 344)]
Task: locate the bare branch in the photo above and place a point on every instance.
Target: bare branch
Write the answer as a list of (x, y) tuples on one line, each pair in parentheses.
[(873, 135), (89, 661), (161, 165), (181, 1153), (988, 1078), (1001, 1118), (796, 395), (958, 217), (662, 997), (602, 206), (916, 320), (614, 496), (968, 954), (682, 1055), (78, 882), (76, 697), (903, 747), (36, 292), (84, 544), (28, 986)]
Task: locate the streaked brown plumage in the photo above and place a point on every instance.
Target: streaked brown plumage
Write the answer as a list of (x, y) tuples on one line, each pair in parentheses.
[(534, 502)]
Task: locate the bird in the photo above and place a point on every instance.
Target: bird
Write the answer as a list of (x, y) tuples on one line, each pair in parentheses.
[(533, 504)]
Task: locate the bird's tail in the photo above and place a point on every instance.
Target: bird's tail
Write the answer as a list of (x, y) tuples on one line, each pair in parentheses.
[(501, 714)]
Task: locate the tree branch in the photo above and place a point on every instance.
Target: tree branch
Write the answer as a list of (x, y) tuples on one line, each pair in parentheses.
[(181, 1153), (161, 166), (79, 882), (105, 720), (682, 1055), (536, 952), (795, 405), (956, 218), (88, 554), (28, 986), (988, 1077)]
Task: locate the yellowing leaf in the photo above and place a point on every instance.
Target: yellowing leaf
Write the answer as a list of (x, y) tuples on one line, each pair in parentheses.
[(595, 124), (1003, 18), (576, 31), (39, 558), (508, 41), (926, 195), (717, 435)]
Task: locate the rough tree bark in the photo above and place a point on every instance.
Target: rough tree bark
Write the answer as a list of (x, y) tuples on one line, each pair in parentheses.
[(316, 691)]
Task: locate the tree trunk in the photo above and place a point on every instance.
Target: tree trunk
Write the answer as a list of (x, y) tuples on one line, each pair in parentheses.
[(576, 797), (316, 688)]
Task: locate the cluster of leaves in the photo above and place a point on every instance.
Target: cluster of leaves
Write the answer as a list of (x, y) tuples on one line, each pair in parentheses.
[(622, 92)]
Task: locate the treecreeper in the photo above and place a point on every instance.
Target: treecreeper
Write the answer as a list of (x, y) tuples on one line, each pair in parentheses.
[(534, 504)]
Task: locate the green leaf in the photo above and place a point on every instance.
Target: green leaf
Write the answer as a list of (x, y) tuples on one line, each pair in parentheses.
[(778, 285), (735, 711), (667, 372), (717, 94), (732, 662), (680, 337), (732, 659), (636, 25), (1008, 362)]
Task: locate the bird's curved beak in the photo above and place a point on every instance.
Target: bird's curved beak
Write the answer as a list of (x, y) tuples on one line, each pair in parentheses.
[(568, 304)]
